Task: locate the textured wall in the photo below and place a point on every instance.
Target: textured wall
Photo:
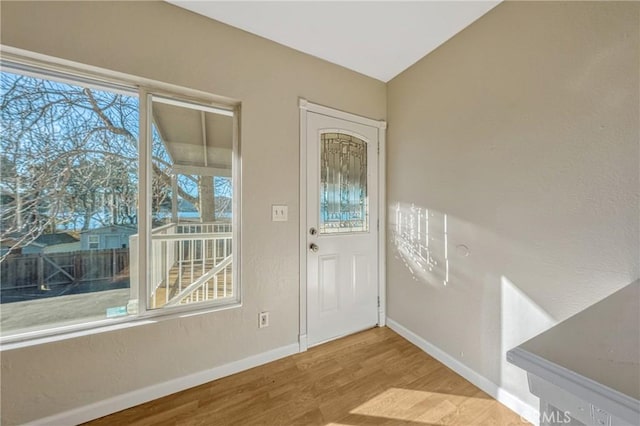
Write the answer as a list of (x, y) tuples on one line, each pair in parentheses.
[(159, 41), (523, 131)]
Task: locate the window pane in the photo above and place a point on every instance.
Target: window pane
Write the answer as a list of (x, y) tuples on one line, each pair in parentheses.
[(69, 179), (343, 184), (191, 244)]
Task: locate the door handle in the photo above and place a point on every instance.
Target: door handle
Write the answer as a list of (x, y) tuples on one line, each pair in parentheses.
[(314, 247)]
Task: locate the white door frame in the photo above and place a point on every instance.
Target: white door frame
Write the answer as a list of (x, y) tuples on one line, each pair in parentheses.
[(381, 125)]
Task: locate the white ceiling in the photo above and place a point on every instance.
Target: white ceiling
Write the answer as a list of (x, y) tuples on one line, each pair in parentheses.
[(376, 38)]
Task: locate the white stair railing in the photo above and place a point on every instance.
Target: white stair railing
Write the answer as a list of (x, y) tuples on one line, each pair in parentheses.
[(202, 285), (184, 253)]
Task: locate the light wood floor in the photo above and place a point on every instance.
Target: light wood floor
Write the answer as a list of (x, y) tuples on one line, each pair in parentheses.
[(371, 378)]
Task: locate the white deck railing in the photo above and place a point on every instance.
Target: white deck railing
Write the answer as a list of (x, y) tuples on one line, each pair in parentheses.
[(190, 262)]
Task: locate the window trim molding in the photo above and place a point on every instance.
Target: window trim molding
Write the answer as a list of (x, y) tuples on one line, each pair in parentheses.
[(72, 331), (114, 78), (67, 71)]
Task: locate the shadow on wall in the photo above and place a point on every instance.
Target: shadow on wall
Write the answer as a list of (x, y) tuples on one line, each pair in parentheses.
[(463, 269)]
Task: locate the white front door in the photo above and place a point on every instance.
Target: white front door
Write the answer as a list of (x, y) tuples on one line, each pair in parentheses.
[(341, 227)]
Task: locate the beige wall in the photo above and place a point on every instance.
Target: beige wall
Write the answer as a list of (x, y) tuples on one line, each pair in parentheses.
[(523, 130), (159, 41)]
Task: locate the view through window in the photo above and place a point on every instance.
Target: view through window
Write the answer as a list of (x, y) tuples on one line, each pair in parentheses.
[(191, 241), (69, 198)]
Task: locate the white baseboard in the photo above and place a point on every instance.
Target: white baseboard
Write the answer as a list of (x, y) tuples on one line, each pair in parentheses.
[(140, 396), (511, 401)]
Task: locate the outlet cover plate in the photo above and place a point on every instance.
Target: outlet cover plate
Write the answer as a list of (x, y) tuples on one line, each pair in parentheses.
[(263, 319)]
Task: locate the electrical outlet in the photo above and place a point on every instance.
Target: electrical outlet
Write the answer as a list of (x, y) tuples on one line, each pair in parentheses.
[(279, 213), (263, 320)]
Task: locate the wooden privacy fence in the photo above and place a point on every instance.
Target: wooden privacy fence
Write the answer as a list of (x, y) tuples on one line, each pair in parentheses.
[(29, 271)]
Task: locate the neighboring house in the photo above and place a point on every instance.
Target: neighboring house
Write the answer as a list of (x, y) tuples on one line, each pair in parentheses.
[(107, 237), (61, 242)]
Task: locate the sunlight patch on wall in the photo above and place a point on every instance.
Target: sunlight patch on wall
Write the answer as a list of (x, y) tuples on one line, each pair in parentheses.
[(421, 238)]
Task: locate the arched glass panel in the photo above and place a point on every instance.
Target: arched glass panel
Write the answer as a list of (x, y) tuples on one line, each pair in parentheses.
[(343, 184)]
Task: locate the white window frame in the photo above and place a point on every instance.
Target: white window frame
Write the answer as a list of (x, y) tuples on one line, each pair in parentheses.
[(43, 66), (93, 240)]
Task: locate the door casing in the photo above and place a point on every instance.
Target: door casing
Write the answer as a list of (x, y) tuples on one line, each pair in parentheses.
[(305, 107)]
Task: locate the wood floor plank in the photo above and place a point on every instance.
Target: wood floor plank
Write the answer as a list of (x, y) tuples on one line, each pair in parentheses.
[(371, 378)]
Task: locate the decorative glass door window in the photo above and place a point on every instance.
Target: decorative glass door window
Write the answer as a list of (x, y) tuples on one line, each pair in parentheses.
[(343, 184)]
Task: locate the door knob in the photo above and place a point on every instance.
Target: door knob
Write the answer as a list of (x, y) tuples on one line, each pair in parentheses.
[(313, 231), (314, 247)]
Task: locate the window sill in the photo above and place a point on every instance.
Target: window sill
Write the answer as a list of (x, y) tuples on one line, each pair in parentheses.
[(19, 341)]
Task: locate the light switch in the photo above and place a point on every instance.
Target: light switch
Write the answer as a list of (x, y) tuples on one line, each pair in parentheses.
[(279, 213)]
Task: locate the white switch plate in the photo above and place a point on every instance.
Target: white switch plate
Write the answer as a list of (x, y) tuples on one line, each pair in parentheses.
[(279, 213)]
